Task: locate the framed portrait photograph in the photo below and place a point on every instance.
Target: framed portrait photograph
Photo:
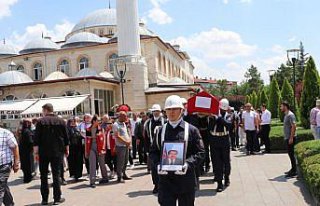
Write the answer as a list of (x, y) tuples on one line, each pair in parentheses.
[(173, 156)]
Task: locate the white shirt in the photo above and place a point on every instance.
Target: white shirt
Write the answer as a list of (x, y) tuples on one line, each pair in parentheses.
[(266, 117), (133, 125), (7, 142), (249, 120), (318, 119)]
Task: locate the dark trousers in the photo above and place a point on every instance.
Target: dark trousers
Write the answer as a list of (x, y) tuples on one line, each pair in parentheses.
[(27, 165), (55, 163), (166, 198), (134, 147), (142, 153), (265, 131), (111, 161), (221, 157), (232, 138), (75, 160), (207, 150), (5, 194), (86, 160), (130, 157), (154, 172), (290, 150), (251, 140)]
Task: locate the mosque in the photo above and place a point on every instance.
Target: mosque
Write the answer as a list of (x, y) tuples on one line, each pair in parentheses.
[(82, 73)]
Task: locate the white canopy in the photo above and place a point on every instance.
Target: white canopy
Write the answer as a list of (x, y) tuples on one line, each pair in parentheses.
[(60, 104), (16, 106)]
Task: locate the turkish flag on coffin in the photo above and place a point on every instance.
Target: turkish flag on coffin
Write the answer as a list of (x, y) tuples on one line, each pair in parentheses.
[(203, 102)]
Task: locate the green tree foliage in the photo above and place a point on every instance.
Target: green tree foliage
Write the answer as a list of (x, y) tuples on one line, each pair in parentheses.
[(274, 98), (248, 98), (254, 100), (259, 99), (287, 95), (284, 72), (310, 92), (222, 87), (253, 78), (264, 97)]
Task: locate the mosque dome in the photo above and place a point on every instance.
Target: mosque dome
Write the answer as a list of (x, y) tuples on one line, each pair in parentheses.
[(56, 76), (87, 72), (84, 39), (14, 77), (7, 50), (101, 17), (106, 75), (39, 45)]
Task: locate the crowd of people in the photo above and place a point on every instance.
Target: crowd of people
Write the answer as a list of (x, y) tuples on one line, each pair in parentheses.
[(106, 145)]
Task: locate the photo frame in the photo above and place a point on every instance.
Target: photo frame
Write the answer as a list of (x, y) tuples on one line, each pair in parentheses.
[(173, 156)]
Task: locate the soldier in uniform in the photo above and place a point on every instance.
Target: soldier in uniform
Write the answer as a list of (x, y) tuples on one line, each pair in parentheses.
[(177, 185), (219, 140), (150, 129)]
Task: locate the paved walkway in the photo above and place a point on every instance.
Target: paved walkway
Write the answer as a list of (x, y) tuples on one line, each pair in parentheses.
[(255, 180)]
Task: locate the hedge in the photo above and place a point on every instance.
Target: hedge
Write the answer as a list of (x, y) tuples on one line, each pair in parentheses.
[(308, 156), (277, 138)]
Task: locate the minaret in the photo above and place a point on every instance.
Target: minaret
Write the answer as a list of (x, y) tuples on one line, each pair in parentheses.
[(128, 28), (129, 50)]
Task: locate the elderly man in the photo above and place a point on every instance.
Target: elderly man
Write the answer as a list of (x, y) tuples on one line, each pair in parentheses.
[(9, 158), (313, 118)]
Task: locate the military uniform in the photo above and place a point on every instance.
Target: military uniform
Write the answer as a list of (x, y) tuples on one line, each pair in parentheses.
[(219, 140), (173, 187), (149, 134)]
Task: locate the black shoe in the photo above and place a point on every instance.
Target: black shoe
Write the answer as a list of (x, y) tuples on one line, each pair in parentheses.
[(125, 177), (155, 190), (220, 187), (207, 169), (234, 149), (57, 202), (104, 181), (291, 174), (92, 185), (44, 202), (288, 172), (63, 182), (120, 180), (248, 153), (227, 182)]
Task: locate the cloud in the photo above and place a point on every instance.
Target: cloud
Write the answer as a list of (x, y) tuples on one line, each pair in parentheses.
[(157, 14), (278, 49), (215, 44), (245, 1), (57, 33), (5, 9), (292, 39), (225, 1)]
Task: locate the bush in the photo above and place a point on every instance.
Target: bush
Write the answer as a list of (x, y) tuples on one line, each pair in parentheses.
[(277, 137), (308, 156)]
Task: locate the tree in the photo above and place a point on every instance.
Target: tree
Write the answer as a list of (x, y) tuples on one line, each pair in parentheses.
[(253, 78), (254, 100), (287, 95), (259, 99), (274, 98), (310, 92), (248, 98), (282, 73), (222, 87), (264, 97)]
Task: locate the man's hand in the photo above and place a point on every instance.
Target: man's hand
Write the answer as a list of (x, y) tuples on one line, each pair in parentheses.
[(161, 172), (16, 167), (183, 171), (291, 141)]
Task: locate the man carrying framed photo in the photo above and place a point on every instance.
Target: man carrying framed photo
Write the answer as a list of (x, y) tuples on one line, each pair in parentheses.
[(177, 181)]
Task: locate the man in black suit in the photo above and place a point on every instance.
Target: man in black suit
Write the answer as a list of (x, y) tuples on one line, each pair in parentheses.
[(172, 158), (51, 142)]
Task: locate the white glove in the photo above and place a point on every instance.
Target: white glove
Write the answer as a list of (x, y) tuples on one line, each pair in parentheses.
[(161, 172), (183, 171)]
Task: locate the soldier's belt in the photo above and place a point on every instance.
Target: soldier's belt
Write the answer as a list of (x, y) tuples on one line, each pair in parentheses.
[(219, 134)]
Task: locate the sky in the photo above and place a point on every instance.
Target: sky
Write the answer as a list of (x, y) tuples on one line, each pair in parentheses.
[(223, 37)]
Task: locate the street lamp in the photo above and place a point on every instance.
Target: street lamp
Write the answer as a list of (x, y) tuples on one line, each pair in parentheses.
[(293, 58), (271, 74), (121, 69), (12, 66)]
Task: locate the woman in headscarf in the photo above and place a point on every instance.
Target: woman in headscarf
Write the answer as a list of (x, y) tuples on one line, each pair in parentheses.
[(75, 158), (26, 151)]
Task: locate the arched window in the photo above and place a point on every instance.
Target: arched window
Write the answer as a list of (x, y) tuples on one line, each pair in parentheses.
[(64, 66), (10, 98), (20, 68), (37, 72), (83, 63), (111, 62)]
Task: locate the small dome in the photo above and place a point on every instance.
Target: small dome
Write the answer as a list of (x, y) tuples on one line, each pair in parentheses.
[(39, 45), (7, 50), (176, 80), (83, 39), (102, 17), (87, 72), (56, 76), (14, 77), (106, 75)]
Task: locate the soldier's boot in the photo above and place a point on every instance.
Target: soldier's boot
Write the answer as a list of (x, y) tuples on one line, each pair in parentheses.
[(227, 181), (220, 186)]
